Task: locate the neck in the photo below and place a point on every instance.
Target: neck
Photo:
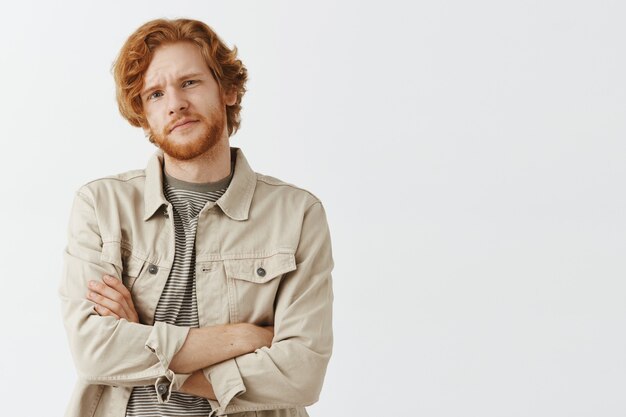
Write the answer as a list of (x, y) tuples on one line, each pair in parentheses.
[(211, 166)]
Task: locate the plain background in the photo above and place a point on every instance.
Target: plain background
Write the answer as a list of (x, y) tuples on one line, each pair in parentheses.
[(470, 156)]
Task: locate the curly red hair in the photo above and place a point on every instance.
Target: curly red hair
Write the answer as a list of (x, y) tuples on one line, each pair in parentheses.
[(135, 56)]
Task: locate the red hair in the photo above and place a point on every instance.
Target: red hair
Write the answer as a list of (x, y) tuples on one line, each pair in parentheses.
[(136, 54)]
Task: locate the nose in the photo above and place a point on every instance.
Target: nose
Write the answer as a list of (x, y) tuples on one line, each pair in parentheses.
[(177, 102)]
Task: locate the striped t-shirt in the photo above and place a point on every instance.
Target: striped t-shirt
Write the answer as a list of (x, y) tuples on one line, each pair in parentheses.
[(178, 303)]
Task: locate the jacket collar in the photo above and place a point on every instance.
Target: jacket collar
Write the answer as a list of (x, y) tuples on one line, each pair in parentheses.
[(235, 202)]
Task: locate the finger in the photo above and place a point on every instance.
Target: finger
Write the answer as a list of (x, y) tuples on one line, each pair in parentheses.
[(103, 311), (111, 305), (128, 305), (117, 292), (117, 285), (113, 296)]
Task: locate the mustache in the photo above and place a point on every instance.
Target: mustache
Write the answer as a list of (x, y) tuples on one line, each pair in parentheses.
[(192, 116)]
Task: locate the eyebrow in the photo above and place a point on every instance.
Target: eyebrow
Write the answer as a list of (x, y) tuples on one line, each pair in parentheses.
[(153, 87)]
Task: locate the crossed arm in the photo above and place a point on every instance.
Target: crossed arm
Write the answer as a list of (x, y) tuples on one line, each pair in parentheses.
[(112, 351), (112, 298)]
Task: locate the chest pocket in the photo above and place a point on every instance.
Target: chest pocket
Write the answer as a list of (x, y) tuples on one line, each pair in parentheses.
[(128, 265), (133, 267), (143, 279), (253, 284)]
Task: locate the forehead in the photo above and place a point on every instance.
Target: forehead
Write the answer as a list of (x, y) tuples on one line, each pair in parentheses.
[(175, 59)]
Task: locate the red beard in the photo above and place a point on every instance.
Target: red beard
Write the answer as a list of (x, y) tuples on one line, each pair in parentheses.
[(204, 136)]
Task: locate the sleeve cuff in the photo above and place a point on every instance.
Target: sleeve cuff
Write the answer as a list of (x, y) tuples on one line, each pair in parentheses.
[(227, 383), (164, 385), (164, 341)]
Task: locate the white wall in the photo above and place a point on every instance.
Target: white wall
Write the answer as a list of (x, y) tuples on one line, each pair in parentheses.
[(470, 156)]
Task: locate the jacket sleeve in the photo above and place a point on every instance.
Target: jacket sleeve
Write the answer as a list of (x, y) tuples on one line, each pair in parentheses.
[(107, 351), (290, 373)]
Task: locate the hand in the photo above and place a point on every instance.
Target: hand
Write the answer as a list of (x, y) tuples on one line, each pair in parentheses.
[(198, 385), (113, 299)]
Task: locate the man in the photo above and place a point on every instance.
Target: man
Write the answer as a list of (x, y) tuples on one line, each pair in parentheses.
[(196, 286)]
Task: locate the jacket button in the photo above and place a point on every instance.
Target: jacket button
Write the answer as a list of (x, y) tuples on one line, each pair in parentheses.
[(153, 269), (162, 388), (260, 272)]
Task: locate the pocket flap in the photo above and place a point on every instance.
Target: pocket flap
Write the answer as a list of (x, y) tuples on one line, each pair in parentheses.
[(114, 253), (260, 270), (132, 266)]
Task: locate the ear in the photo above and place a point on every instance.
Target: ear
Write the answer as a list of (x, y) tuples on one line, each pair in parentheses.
[(230, 98)]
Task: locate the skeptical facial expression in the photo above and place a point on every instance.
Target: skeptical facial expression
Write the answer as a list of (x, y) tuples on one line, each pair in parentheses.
[(183, 105)]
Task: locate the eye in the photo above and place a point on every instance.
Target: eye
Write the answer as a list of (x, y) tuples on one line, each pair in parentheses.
[(189, 82), (154, 95)]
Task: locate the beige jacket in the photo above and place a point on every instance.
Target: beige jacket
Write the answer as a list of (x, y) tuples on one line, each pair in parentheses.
[(263, 256)]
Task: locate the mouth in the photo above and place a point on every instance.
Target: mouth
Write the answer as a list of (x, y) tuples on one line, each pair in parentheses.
[(183, 125)]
